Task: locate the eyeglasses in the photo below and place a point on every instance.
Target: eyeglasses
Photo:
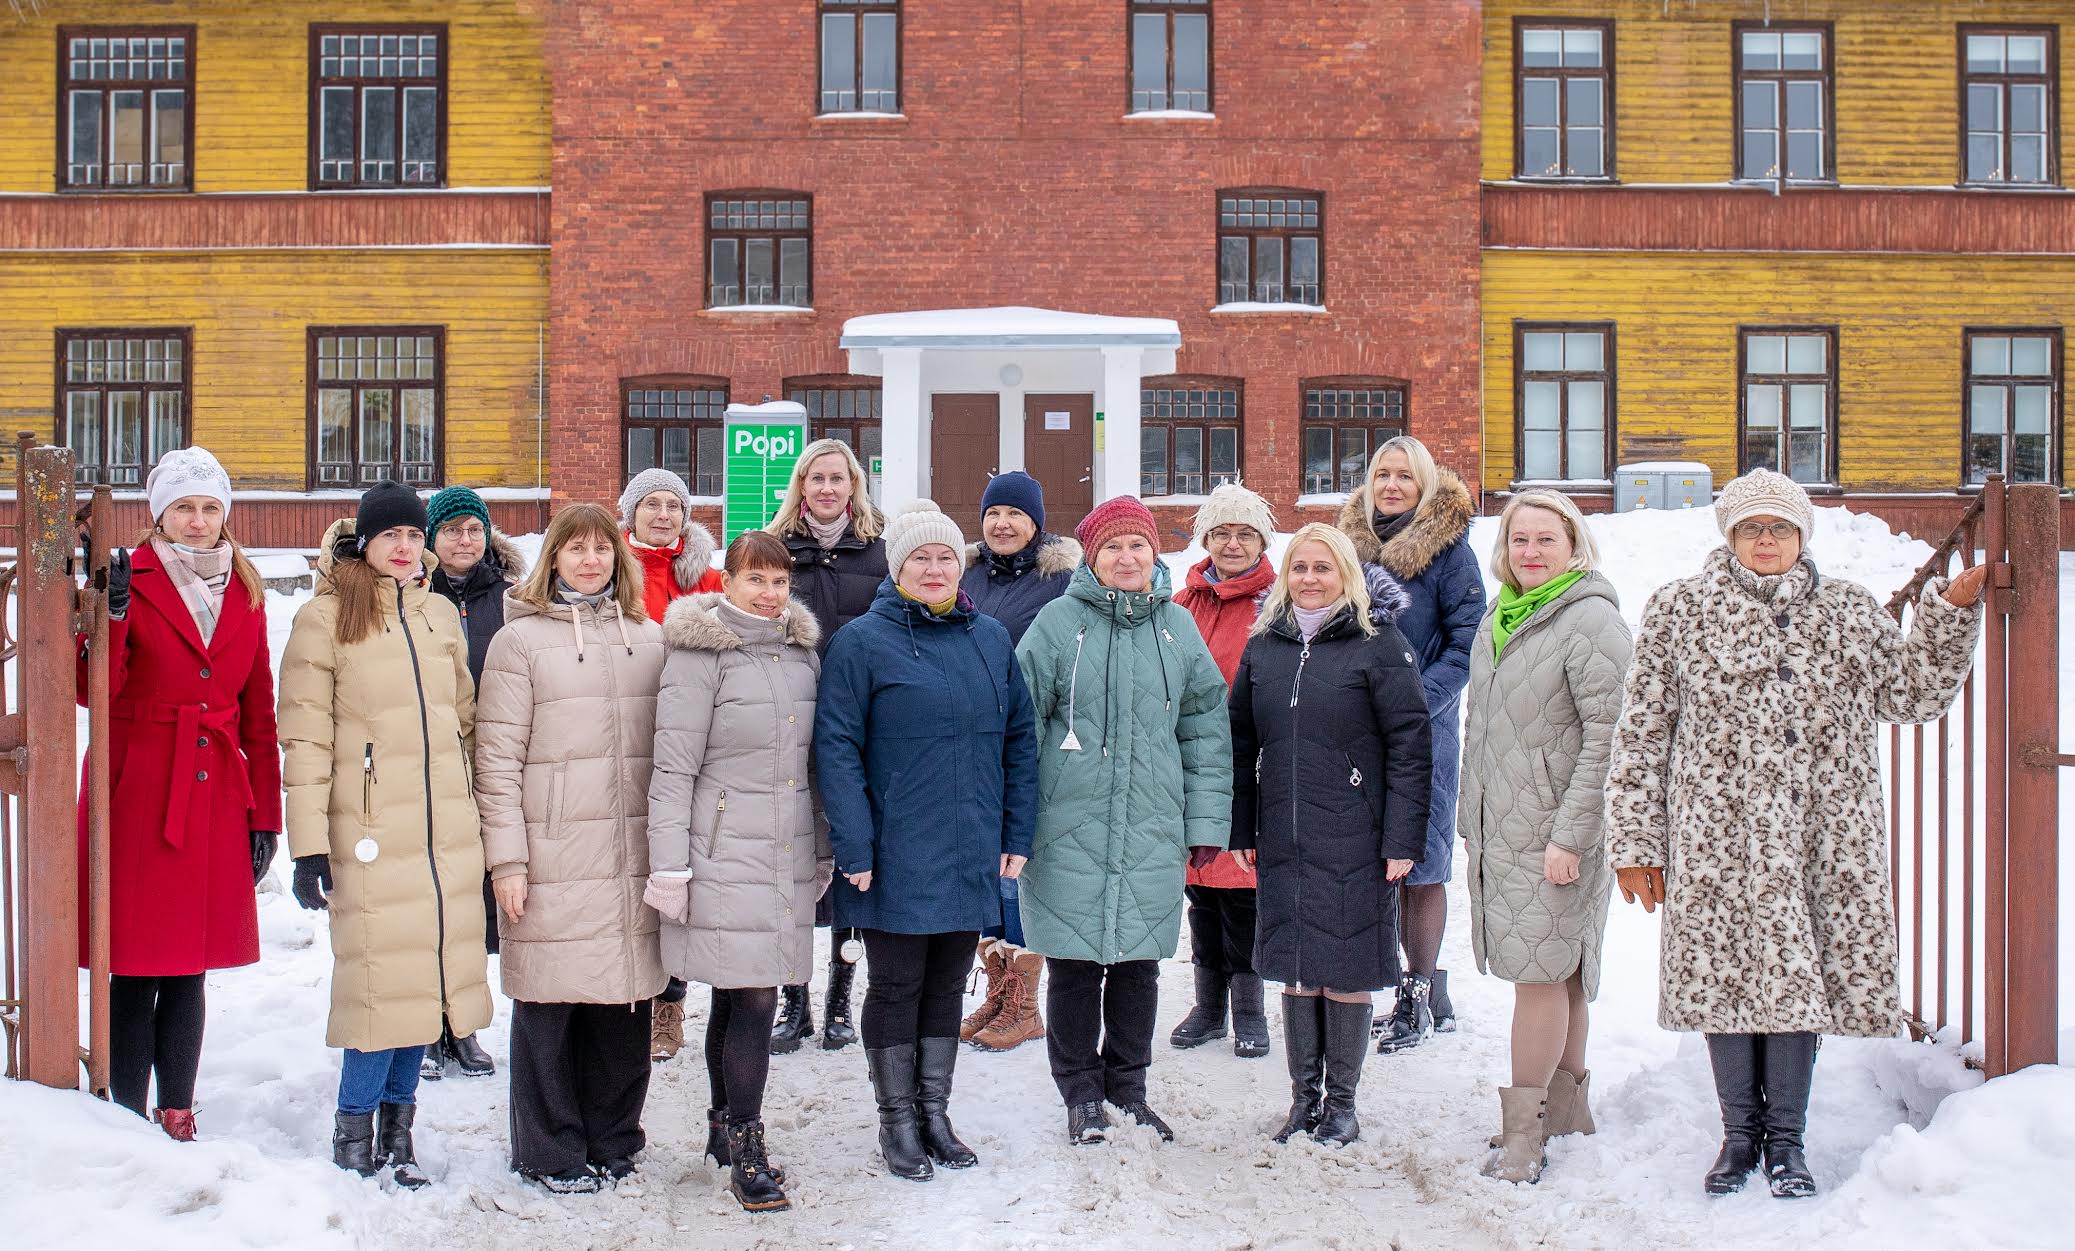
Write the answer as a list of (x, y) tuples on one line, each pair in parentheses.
[(1221, 536), (467, 534), (1752, 530)]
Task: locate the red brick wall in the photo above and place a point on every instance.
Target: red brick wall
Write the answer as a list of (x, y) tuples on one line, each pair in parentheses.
[(1014, 179)]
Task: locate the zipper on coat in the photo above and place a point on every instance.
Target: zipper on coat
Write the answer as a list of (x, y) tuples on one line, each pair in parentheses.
[(439, 897), (367, 784), (1296, 842)]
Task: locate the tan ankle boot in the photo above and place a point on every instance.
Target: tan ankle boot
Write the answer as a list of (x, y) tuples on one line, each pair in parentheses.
[(1568, 1112), (1019, 1021), (665, 1030), (1523, 1111), (992, 963)]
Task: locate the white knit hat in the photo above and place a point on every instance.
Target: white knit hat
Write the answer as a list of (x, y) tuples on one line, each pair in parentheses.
[(1763, 493), (183, 472), (920, 523), (1234, 505), (647, 483)]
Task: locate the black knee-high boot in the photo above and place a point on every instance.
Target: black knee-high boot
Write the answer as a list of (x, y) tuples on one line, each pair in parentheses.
[(1738, 1063), (1790, 1064)]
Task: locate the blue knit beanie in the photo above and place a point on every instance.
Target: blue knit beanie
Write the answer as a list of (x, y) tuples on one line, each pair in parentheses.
[(1018, 490), (455, 501)]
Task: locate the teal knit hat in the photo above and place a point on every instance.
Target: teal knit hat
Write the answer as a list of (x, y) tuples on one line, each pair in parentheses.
[(454, 502)]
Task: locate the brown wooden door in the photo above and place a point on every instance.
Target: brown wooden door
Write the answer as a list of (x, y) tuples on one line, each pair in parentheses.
[(964, 450), (1059, 451)]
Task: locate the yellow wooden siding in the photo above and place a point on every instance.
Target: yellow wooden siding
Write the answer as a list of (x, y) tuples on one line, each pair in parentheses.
[(250, 313), (251, 94), (1896, 73), (1899, 321)]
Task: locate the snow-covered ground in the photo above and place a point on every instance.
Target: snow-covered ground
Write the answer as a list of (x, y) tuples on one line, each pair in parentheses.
[(1910, 1148)]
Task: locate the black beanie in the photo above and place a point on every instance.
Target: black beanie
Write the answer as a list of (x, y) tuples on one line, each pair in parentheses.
[(385, 506)]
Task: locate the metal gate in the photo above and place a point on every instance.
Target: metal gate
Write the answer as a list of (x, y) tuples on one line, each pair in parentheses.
[(1973, 847)]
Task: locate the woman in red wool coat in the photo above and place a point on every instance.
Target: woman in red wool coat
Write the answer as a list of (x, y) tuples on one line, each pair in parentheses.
[(196, 780)]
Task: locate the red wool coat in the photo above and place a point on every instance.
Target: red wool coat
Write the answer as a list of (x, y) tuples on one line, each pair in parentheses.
[(1224, 614), (194, 768)]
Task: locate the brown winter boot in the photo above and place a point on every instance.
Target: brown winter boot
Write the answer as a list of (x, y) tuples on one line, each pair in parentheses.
[(995, 965), (1019, 1022), (1523, 1111), (665, 1030)]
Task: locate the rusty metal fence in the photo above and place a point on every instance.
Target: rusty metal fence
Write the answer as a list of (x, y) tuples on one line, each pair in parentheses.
[(1973, 806)]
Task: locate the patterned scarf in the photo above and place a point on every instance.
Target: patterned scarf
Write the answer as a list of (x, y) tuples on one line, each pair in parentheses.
[(200, 576)]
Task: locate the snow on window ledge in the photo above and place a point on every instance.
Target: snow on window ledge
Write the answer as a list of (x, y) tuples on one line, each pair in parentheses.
[(760, 308), (1170, 115), (868, 115), (1322, 499), (1260, 307), (1562, 484)]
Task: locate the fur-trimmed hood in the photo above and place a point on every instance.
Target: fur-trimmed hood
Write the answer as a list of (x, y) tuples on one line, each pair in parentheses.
[(328, 556), (696, 557), (693, 625), (1386, 597), (1438, 524), (1056, 554), (509, 562)]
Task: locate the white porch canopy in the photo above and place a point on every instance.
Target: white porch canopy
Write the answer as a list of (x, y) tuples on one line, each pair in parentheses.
[(1011, 352)]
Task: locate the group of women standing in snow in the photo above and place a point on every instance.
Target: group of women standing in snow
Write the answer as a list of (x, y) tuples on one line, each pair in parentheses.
[(630, 771)]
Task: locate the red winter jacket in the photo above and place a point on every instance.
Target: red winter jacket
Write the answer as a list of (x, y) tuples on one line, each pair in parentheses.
[(663, 567), (1224, 613), (195, 766)]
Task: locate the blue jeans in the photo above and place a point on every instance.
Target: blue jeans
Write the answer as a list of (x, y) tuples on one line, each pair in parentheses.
[(370, 1078), (1010, 930)]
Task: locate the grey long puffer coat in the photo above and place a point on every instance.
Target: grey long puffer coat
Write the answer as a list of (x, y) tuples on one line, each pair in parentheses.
[(564, 718), (1535, 753), (732, 797)]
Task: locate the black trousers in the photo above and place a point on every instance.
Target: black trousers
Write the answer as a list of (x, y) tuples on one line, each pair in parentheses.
[(489, 915), (914, 985), (154, 1027), (1221, 929), (1100, 1037), (579, 1079)]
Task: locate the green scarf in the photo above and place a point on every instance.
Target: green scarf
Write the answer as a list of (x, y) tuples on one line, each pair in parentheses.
[(1515, 607)]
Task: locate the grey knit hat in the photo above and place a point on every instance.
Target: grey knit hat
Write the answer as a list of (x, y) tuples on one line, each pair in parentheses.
[(920, 523), (647, 483), (1234, 505)]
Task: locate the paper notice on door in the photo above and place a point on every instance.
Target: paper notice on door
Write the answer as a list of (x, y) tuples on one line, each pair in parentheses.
[(1059, 421)]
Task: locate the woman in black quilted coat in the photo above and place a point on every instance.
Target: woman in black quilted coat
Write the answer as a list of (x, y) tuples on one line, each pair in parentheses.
[(1327, 704)]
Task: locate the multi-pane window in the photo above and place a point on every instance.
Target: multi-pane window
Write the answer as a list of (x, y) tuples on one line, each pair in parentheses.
[(2013, 405), (376, 397), (123, 398), (1345, 421), (2010, 123), (850, 414), (759, 247), (1170, 55), (124, 108), (1563, 99), (377, 106), (860, 56), (1271, 247), (1790, 402), (675, 423), (1188, 435), (1783, 88), (1566, 384)]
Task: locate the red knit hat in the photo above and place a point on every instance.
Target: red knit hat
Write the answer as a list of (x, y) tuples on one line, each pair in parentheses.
[(1122, 515)]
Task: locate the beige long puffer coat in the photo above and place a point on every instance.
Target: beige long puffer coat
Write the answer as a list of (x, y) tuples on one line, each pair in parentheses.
[(1747, 767), (565, 717), (1535, 752), (732, 797), (374, 741)]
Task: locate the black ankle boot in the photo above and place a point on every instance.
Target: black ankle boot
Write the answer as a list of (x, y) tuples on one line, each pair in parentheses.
[(1787, 1072), (353, 1142), (469, 1056), (1735, 1059), (432, 1066), (935, 1060), (717, 1137), (1303, 1040), (837, 1029), (1206, 1021), (394, 1146), (1346, 1045), (900, 1137), (795, 1022), (1085, 1123), (1443, 1006), (751, 1179), (1412, 1020), (1249, 1020)]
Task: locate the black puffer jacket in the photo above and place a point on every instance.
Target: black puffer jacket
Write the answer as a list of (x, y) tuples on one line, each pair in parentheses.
[(480, 596), (1011, 589), (1338, 728), (838, 584)]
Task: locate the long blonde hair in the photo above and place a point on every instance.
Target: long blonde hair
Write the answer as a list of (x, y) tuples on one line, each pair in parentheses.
[(865, 520), (1354, 586), (1426, 475), (248, 577), (585, 521), (1584, 552)]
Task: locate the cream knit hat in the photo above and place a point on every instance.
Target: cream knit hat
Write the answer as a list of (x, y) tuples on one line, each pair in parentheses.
[(1234, 505), (183, 472), (1763, 493), (920, 523)]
